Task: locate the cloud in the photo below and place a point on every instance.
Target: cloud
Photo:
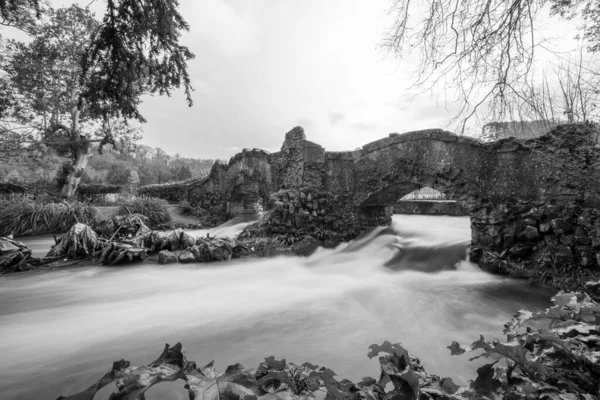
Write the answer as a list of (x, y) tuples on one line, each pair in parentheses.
[(365, 126), (336, 118), (223, 26)]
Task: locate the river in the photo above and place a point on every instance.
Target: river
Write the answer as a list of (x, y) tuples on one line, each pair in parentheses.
[(61, 330)]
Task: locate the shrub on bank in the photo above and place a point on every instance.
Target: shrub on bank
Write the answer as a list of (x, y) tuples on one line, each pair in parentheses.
[(23, 215), (186, 207), (155, 209)]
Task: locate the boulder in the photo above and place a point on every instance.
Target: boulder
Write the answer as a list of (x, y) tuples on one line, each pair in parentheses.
[(581, 237), (561, 226), (167, 257), (212, 250), (306, 246), (520, 250), (551, 240), (187, 257), (530, 234), (567, 240), (545, 227), (530, 221)]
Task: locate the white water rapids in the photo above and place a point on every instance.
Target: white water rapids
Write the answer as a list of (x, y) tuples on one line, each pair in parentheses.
[(61, 330)]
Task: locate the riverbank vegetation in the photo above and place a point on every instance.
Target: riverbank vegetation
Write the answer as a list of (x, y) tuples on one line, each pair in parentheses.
[(156, 210), (24, 215), (551, 355)]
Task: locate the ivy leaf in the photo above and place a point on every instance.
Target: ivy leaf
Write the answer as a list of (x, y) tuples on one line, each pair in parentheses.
[(387, 347), (400, 368), (517, 321), (511, 350), (234, 384), (370, 389), (485, 383)]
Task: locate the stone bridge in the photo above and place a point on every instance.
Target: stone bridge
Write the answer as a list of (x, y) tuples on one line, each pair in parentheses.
[(368, 181), (500, 183)]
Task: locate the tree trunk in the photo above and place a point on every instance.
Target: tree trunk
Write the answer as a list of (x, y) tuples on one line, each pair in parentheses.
[(80, 162), (81, 156)]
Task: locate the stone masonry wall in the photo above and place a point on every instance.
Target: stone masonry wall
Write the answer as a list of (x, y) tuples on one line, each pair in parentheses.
[(430, 208), (555, 238), (289, 165), (533, 204)]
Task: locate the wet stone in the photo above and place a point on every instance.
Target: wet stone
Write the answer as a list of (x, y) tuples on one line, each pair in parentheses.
[(530, 233), (520, 250), (567, 240), (545, 227), (561, 226), (167, 257), (187, 257)]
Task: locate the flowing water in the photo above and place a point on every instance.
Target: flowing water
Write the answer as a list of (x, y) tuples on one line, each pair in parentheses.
[(61, 330)]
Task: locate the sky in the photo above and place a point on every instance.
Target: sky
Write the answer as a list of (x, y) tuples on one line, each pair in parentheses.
[(263, 67)]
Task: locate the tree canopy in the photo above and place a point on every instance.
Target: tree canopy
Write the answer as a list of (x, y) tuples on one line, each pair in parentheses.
[(80, 80), (485, 49), (135, 50)]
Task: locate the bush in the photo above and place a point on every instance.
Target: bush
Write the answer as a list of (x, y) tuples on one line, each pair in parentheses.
[(186, 207), (23, 215), (156, 210)]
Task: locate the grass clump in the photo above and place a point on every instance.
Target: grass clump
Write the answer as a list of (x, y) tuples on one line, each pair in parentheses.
[(155, 209), (22, 215)]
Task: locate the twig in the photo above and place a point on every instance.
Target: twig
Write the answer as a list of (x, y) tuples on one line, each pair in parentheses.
[(115, 234)]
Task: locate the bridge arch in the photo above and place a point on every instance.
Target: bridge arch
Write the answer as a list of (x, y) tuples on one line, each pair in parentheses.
[(460, 167)]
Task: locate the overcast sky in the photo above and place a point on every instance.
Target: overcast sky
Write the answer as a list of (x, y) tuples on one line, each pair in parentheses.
[(265, 66)]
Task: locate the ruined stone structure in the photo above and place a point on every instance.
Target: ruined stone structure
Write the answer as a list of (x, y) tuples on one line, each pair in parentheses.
[(514, 190)]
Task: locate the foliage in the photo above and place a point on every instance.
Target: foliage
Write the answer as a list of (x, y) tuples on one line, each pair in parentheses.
[(135, 51), (126, 226), (185, 206), (115, 253), (78, 82), (43, 77), (155, 209), (12, 254), (321, 234), (20, 14), (560, 362), (287, 239), (545, 362), (172, 240), (117, 175), (22, 215), (80, 240)]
